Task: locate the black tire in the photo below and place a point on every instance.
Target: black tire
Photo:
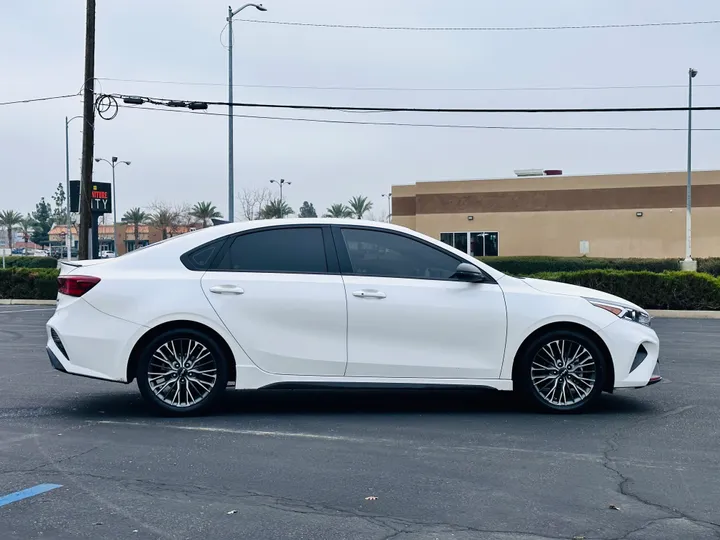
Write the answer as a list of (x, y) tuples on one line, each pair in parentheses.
[(534, 381), (205, 371)]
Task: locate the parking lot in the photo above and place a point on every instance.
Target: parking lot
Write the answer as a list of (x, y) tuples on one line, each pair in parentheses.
[(404, 465)]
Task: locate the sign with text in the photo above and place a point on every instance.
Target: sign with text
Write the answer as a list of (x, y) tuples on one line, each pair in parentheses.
[(100, 197)]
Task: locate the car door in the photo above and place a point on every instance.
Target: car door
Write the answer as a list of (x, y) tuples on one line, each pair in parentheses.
[(281, 299), (408, 317)]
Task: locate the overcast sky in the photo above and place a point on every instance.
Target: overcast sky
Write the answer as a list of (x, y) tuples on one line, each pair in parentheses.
[(183, 157)]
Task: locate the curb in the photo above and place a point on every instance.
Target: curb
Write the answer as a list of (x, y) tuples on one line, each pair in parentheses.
[(28, 302), (673, 314)]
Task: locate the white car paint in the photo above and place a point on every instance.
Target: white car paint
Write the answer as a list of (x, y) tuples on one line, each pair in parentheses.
[(424, 329), (290, 328)]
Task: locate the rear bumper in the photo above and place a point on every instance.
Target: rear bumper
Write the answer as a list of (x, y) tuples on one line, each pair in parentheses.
[(87, 342)]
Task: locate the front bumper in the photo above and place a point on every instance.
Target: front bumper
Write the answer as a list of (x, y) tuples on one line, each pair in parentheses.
[(655, 377), (634, 349)]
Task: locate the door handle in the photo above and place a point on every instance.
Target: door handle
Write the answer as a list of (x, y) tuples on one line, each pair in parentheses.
[(369, 294), (226, 289)]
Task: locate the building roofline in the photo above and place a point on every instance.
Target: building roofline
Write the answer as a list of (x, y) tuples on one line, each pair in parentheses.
[(589, 175)]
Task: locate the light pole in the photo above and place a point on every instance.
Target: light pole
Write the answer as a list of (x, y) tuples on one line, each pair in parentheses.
[(389, 199), (688, 263), (281, 183), (68, 235), (231, 159), (113, 163)]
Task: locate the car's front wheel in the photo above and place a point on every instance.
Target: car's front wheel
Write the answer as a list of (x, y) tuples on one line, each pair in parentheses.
[(561, 371), (182, 371)]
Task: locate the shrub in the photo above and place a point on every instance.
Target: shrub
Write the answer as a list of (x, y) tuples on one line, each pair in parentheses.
[(30, 262), (666, 290), (29, 283), (709, 266)]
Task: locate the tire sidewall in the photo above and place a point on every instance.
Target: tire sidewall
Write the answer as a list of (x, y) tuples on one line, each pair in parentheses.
[(528, 389), (182, 333)]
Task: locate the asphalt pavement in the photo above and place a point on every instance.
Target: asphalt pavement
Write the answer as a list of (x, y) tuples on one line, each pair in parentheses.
[(380, 465)]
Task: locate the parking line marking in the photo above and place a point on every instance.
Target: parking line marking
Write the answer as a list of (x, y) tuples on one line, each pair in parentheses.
[(258, 433), (25, 493)]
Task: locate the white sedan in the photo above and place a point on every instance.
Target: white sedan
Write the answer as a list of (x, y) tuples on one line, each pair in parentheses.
[(330, 302)]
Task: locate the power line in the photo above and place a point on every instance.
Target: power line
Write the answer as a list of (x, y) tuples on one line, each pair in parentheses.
[(410, 124), (480, 28), (33, 100), (203, 104), (411, 89)]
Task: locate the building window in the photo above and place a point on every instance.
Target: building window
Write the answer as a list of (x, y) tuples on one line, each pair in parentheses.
[(477, 244)]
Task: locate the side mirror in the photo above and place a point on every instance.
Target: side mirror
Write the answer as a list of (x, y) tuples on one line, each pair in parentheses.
[(468, 272)]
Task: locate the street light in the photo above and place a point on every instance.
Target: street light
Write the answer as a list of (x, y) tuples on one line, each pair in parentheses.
[(113, 163), (231, 164), (281, 183), (688, 263), (68, 224), (389, 199)]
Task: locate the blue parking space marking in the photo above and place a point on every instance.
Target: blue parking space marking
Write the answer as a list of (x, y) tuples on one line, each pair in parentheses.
[(25, 493)]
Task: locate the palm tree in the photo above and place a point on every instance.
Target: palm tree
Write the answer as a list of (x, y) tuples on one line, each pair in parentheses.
[(10, 219), (205, 211), (359, 206), (275, 209), (135, 217), (338, 210), (163, 219)]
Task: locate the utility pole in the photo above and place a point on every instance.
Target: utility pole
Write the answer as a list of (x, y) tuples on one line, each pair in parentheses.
[(85, 251), (688, 263), (389, 200), (231, 143)]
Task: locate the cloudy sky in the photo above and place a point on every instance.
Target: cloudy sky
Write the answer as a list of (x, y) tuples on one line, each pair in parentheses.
[(183, 157)]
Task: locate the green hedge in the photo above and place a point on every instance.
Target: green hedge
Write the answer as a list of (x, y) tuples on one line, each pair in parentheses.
[(29, 283), (709, 266), (525, 266), (666, 290), (30, 262)]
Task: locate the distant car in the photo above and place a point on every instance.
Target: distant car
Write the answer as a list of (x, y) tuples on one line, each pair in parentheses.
[(106, 254), (331, 302), (40, 253)]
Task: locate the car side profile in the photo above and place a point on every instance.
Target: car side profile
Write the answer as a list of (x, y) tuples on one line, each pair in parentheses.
[(333, 302)]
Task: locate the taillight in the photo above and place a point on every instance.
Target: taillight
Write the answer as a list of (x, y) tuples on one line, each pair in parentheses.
[(76, 285)]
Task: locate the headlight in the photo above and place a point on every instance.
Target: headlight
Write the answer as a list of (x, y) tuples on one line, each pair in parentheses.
[(624, 312)]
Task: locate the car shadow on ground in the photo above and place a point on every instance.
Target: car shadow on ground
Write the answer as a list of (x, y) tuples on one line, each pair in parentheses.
[(315, 403)]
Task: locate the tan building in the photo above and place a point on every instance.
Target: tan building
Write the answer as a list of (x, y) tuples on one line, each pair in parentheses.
[(622, 215)]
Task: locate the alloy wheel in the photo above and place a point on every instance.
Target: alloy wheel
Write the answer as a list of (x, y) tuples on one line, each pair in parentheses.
[(563, 372), (182, 372)]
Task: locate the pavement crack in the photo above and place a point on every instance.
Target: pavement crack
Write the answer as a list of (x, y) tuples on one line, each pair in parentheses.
[(624, 482), (658, 520)]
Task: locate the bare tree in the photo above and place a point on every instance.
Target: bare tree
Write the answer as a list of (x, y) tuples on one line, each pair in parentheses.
[(381, 216), (170, 218), (252, 201)]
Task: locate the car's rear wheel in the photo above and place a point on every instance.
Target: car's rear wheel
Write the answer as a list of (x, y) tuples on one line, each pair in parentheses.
[(562, 371), (182, 371)]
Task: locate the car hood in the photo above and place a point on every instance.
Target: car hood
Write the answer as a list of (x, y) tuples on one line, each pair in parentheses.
[(555, 287)]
